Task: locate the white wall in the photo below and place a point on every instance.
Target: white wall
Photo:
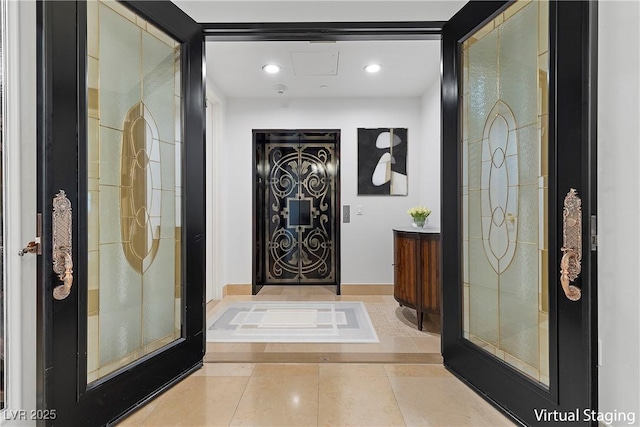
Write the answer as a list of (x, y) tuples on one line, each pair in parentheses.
[(367, 246), (430, 156), (619, 206), (214, 130)]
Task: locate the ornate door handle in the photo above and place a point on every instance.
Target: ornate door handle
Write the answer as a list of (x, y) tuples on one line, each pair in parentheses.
[(572, 245), (62, 245)]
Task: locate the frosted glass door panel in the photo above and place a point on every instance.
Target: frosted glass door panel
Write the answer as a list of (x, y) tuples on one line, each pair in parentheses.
[(505, 188), (134, 200)]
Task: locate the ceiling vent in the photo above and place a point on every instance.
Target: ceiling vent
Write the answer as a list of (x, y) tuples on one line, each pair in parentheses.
[(315, 63)]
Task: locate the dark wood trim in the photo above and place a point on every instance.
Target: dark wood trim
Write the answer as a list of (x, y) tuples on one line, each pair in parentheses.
[(81, 209), (44, 314), (169, 17), (322, 31), (575, 140)]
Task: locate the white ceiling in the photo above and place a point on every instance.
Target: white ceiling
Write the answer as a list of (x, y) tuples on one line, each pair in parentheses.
[(409, 67), (319, 10)]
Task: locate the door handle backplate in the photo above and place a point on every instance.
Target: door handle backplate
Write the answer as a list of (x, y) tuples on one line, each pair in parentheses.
[(570, 266), (62, 242)]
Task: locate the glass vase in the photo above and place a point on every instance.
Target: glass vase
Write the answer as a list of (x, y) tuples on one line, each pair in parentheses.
[(419, 223)]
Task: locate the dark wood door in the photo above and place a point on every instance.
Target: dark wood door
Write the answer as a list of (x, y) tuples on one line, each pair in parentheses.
[(519, 287), (121, 299)]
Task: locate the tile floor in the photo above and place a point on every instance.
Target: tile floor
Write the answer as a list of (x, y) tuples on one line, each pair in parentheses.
[(396, 386), (400, 340)]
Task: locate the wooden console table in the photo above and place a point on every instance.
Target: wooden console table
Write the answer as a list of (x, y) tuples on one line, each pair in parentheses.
[(417, 270)]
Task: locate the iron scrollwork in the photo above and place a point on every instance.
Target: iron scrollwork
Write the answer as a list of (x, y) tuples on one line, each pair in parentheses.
[(301, 195)]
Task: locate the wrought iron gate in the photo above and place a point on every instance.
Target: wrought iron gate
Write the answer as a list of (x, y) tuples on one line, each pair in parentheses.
[(297, 176)]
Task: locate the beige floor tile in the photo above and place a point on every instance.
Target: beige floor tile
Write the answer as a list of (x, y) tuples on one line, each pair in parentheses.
[(367, 401), (319, 290), (361, 348), (397, 370), (332, 394), (279, 401), (274, 298), (211, 307), (225, 370), (398, 345), (137, 418), (236, 298), (271, 290), (235, 347), (386, 345), (285, 369), (199, 401), (317, 298), (363, 298), (442, 402), (427, 344), (351, 370), (302, 348), (293, 290)]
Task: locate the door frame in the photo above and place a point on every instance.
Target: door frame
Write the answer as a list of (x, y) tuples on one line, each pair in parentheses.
[(19, 212), (159, 370), (578, 128), (259, 253), (316, 31)]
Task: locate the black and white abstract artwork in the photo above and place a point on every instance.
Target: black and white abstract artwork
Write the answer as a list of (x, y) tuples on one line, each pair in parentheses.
[(382, 161)]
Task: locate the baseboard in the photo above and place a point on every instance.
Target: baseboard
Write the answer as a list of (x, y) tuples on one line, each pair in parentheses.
[(236, 290), (364, 289), (345, 289)]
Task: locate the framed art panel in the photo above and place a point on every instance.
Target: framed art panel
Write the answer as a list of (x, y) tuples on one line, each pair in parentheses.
[(382, 161)]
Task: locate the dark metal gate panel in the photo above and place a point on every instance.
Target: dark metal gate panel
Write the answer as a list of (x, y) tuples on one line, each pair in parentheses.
[(282, 231), (317, 227), (298, 217)]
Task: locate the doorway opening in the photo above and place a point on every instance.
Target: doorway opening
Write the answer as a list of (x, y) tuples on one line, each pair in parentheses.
[(296, 208), (327, 88)]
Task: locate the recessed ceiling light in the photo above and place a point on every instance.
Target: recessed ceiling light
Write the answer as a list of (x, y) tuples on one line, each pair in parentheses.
[(271, 68), (373, 68)]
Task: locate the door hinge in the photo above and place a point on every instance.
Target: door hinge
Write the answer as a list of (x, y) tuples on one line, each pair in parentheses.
[(594, 233)]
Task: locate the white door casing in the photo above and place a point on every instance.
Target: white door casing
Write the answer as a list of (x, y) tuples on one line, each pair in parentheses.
[(20, 178)]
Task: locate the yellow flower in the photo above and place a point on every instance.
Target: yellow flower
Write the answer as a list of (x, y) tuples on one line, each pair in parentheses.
[(419, 213)]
